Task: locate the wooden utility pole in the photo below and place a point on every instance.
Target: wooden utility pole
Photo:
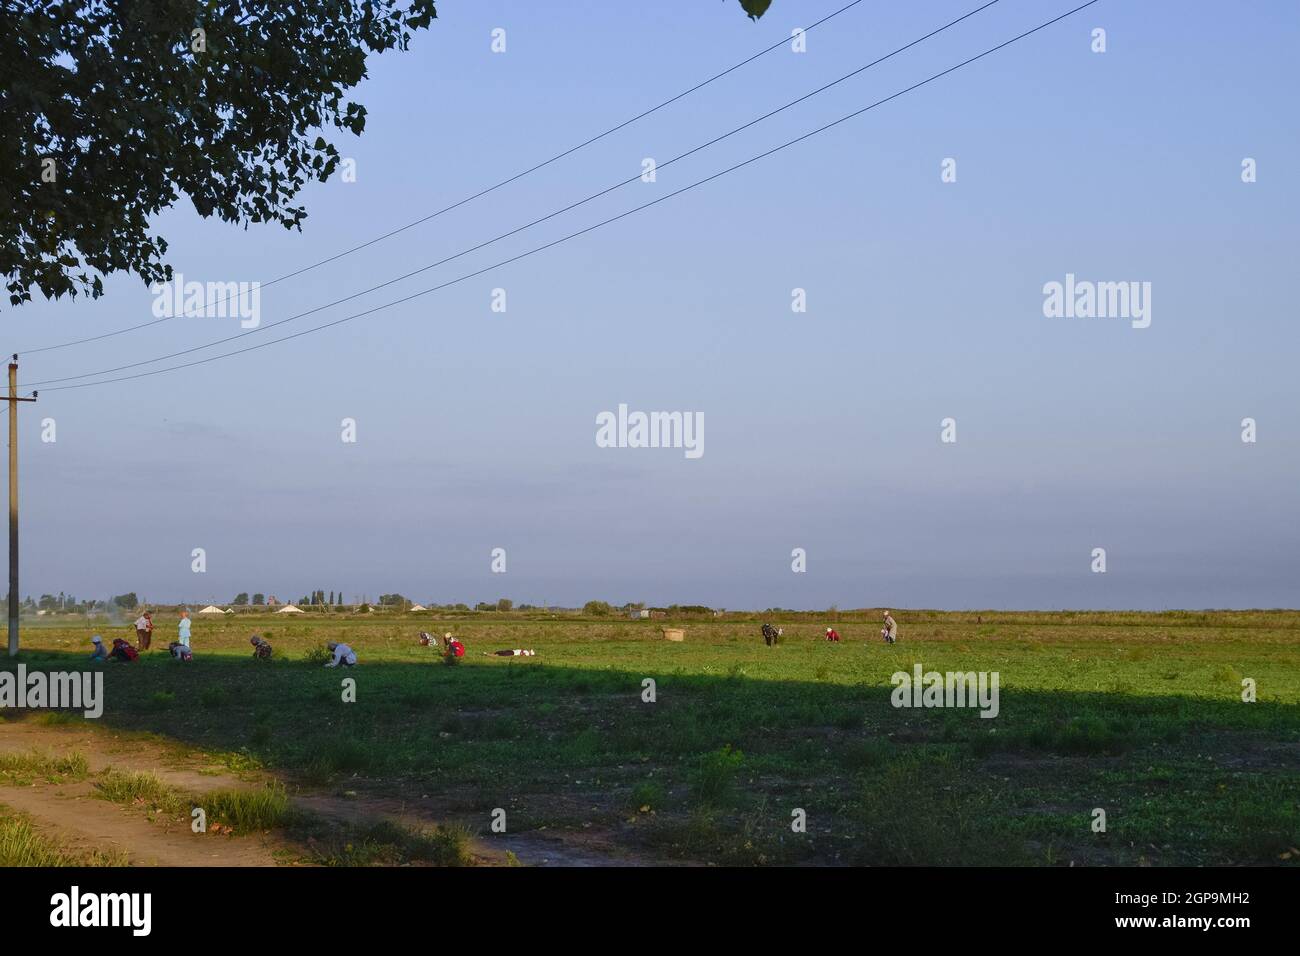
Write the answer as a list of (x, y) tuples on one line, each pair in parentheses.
[(13, 502)]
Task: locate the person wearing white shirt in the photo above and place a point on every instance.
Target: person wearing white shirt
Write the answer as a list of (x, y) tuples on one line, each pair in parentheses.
[(342, 655), (144, 630)]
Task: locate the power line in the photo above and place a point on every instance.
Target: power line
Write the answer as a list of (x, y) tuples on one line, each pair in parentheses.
[(519, 229), (623, 215), (468, 199)]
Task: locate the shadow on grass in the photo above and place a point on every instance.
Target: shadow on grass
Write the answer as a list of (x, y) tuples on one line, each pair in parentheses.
[(720, 767)]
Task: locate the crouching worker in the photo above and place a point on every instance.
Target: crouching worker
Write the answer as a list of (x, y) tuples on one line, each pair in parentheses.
[(832, 634), (122, 651), (179, 651), (261, 647), (427, 639), (342, 654), (454, 647), (98, 651)]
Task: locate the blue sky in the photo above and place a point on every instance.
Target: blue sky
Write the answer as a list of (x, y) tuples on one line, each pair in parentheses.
[(476, 429)]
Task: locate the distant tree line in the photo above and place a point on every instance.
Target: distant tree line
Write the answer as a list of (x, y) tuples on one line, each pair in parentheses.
[(63, 602), (68, 603), (605, 609), (315, 599)]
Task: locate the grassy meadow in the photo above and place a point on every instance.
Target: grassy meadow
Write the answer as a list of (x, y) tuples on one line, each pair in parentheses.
[(1138, 714)]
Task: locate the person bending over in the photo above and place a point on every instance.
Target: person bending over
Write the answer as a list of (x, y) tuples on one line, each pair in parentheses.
[(342, 654), (122, 651)]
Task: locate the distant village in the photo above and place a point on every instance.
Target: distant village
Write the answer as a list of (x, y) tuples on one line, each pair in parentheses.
[(333, 602)]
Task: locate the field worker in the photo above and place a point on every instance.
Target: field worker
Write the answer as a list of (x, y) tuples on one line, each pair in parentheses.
[(427, 639), (832, 634), (98, 651), (143, 630), (122, 651), (261, 647), (342, 655), (454, 647), (890, 631), (517, 652), (179, 651), (183, 629)]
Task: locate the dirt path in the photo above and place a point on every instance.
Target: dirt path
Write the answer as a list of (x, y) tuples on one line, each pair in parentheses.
[(535, 848), (70, 814)]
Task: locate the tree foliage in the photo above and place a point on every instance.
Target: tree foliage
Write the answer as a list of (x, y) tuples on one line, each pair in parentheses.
[(111, 109)]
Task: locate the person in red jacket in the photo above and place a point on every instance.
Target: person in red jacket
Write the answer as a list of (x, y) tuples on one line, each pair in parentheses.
[(832, 634), (122, 651)]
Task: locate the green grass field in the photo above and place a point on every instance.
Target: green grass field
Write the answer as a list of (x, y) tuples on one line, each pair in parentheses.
[(1140, 715)]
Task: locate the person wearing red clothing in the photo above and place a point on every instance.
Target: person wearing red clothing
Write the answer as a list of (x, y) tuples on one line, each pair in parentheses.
[(832, 634), (122, 651)]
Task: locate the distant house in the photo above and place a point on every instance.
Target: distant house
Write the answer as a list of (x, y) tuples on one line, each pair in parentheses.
[(290, 609), (211, 609), (271, 601), (657, 614), (418, 607), (639, 614)]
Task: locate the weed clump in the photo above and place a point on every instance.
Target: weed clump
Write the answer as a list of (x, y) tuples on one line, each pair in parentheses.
[(249, 810), (141, 788), (648, 795), (715, 776), (318, 655)]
